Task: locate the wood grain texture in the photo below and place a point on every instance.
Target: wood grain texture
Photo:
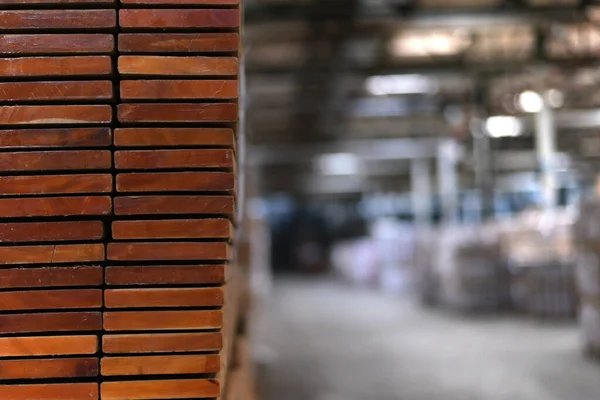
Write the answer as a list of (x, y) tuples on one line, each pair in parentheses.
[(160, 390), (148, 205), (178, 42), (50, 231), (56, 43), (50, 391), (179, 18), (165, 159), (50, 299), (160, 365), (190, 2), (165, 65), (164, 275), (55, 160), (55, 66), (52, 254), (167, 297), (49, 368), (55, 184), (47, 346), (63, 114), (180, 112), (55, 137), (51, 322), (55, 206), (162, 320), (168, 251), (162, 343), (171, 229), (55, 91), (57, 19), (34, 3), (169, 137), (178, 89), (173, 181), (18, 278)]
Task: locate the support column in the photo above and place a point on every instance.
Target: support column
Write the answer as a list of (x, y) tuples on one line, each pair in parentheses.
[(545, 137), (421, 191), (447, 159)]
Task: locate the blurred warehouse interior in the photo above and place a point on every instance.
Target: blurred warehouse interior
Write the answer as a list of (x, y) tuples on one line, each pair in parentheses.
[(447, 148)]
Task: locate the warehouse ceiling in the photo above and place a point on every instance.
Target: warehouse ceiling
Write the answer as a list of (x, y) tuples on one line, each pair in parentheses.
[(327, 77)]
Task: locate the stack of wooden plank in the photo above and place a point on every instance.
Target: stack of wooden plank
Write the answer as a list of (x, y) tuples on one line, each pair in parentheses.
[(175, 180), (56, 95), (117, 197)]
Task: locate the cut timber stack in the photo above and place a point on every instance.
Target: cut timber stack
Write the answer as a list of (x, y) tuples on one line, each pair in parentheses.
[(117, 197), (56, 94)]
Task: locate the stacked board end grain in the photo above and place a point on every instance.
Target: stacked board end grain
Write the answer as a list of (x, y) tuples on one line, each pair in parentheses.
[(117, 197), (56, 100), (175, 168)]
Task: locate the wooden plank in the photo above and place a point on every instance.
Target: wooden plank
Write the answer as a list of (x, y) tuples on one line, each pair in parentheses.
[(164, 275), (162, 343), (34, 3), (57, 19), (50, 231), (51, 322), (56, 43), (187, 2), (55, 160), (178, 42), (164, 159), (162, 320), (179, 112), (164, 65), (52, 254), (57, 90), (50, 299), (50, 391), (55, 206), (55, 184), (179, 18), (47, 346), (149, 205), (55, 66), (182, 251), (55, 137), (173, 181), (49, 368), (168, 137), (17, 278), (178, 89), (160, 365), (59, 114), (160, 390), (167, 297), (172, 229)]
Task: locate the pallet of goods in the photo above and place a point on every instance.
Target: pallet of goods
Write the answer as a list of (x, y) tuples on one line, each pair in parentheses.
[(118, 126), (587, 240)]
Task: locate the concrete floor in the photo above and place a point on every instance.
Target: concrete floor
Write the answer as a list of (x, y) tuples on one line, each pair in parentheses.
[(333, 342)]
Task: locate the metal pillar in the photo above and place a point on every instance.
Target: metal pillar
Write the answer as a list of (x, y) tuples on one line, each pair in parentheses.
[(421, 193), (482, 165), (545, 137), (447, 174)]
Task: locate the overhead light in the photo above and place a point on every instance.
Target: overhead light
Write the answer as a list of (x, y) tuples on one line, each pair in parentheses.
[(339, 164), (503, 126), (440, 42), (383, 85), (530, 102), (556, 98)]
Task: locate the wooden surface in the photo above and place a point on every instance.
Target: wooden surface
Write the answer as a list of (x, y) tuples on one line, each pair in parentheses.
[(118, 183)]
